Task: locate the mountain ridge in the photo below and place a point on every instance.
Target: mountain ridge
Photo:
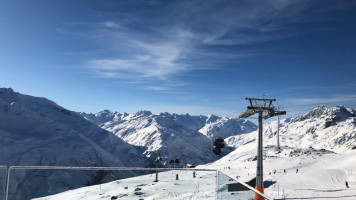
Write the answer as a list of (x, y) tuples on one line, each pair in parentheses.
[(171, 136), (333, 129), (36, 131)]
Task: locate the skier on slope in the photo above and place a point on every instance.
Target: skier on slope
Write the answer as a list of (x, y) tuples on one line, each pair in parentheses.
[(347, 184)]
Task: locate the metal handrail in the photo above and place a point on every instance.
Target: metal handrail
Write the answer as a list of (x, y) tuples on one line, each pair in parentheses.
[(107, 168), (8, 170)]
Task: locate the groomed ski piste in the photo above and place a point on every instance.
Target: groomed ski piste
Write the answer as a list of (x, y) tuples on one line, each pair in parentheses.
[(144, 187), (321, 175)]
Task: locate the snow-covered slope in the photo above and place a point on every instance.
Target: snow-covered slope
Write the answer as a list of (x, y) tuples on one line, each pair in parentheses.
[(310, 173), (36, 131), (322, 128), (319, 144), (142, 187), (321, 175), (185, 137)]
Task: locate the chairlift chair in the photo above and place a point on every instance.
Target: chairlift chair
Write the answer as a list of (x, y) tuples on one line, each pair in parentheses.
[(219, 143), (217, 151)]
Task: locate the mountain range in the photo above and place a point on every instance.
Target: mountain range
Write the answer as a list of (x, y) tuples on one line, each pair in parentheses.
[(37, 131), (172, 136), (333, 129)]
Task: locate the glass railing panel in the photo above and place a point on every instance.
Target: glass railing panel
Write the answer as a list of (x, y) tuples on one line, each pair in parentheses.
[(3, 176), (45, 184), (228, 188)]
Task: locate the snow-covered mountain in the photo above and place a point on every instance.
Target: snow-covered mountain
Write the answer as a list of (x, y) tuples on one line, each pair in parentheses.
[(36, 131), (322, 128), (225, 127), (317, 154), (308, 145), (188, 138)]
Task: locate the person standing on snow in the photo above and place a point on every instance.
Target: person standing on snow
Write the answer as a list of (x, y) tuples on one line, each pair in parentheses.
[(347, 184)]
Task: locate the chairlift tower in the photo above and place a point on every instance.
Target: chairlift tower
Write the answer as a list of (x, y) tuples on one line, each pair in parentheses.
[(265, 110)]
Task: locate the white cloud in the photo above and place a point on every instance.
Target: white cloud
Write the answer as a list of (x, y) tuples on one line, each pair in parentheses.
[(155, 45), (158, 61), (157, 88), (111, 24), (335, 99)]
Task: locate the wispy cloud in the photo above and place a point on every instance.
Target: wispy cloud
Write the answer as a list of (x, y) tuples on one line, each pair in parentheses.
[(335, 99), (330, 90), (153, 45), (157, 88), (153, 61), (111, 24)]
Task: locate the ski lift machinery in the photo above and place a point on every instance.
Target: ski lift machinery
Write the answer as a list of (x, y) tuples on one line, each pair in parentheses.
[(219, 143)]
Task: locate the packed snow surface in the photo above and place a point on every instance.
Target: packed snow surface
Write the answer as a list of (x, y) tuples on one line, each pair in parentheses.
[(310, 173), (321, 175), (144, 187)]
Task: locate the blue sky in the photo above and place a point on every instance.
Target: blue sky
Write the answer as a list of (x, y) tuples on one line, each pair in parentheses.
[(196, 57)]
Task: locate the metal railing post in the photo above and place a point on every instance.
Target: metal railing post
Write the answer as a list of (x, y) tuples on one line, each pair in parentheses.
[(7, 182), (217, 185)]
